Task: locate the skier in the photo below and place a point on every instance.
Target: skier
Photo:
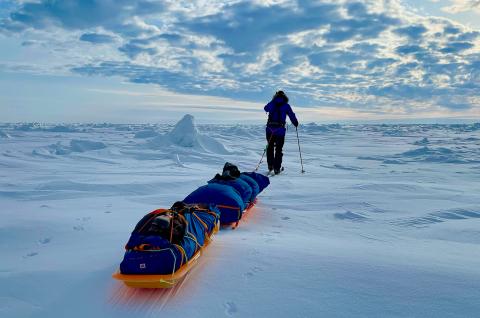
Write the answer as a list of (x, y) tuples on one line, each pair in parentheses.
[(277, 109)]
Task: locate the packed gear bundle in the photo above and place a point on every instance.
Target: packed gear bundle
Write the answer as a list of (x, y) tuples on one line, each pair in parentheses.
[(232, 195), (166, 243)]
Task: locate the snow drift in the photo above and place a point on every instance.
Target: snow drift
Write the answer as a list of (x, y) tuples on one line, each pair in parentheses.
[(147, 133), (422, 142), (27, 127), (4, 134), (186, 135), (429, 155), (241, 131), (75, 145), (315, 128), (61, 128)]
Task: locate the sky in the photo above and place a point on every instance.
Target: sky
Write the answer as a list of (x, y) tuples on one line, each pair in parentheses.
[(153, 61)]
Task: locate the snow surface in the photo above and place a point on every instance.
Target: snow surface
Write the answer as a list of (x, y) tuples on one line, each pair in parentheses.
[(147, 133), (4, 135), (384, 223)]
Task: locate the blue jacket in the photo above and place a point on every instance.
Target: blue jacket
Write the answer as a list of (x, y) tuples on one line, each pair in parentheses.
[(277, 111)]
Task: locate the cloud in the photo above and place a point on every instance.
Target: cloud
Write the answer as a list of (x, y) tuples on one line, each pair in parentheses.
[(414, 32), (458, 6), (362, 24), (450, 29), (97, 38), (357, 54), (408, 49), (246, 27), (78, 14), (455, 103), (29, 43), (457, 47), (132, 50)]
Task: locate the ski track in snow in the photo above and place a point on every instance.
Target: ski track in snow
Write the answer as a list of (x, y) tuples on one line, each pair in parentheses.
[(384, 223)]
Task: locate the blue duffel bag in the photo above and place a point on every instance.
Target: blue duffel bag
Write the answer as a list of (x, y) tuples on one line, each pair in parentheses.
[(226, 198)]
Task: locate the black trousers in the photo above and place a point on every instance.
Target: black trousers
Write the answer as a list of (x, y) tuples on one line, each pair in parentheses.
[(274, 151)]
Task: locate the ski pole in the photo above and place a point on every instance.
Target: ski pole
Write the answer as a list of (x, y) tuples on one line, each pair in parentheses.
[(261, 159), (299, 151), (264, 151)]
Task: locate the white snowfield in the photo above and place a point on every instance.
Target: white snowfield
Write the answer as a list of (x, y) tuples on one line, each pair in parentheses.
[(384, 223)]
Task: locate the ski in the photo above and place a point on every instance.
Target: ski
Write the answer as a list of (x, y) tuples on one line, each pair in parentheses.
[(272, 173)]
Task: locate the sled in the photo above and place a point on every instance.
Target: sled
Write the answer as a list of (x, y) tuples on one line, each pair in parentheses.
[(164, 280)]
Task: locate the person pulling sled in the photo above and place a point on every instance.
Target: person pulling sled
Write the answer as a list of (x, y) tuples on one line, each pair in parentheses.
[(277, 109)]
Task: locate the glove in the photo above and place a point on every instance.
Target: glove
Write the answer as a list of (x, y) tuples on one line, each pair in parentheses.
[(295, 124)]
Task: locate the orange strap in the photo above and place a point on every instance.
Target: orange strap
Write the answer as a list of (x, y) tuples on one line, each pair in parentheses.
[(203, 223), (232, 208), (227, 207), (182, 252)]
